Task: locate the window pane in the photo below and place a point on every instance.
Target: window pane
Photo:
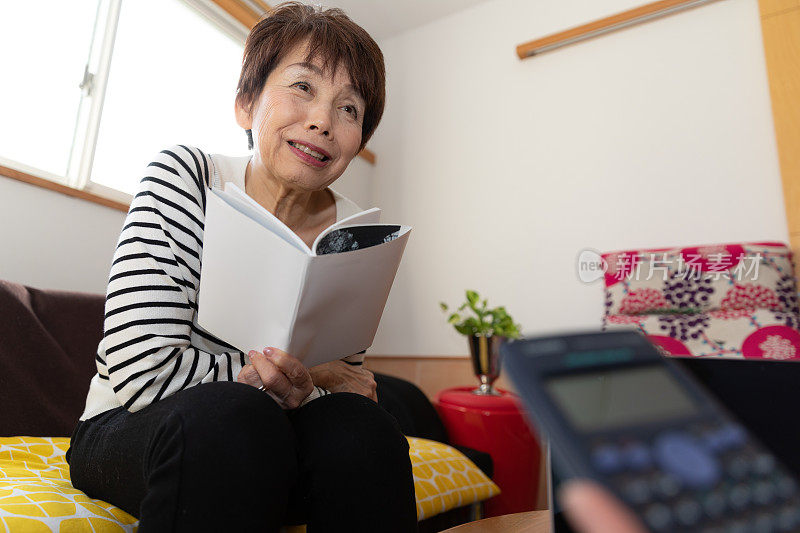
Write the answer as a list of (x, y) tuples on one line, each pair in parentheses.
[(45, 47), (172, 81)]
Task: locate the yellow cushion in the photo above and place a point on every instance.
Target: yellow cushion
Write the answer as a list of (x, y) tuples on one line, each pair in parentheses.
[(445, 479), (36, 493)]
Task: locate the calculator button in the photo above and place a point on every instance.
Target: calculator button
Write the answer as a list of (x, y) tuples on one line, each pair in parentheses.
[(737, 467), (714, 504), (739, 497), (736, 526), (681, 455), (658, 517), (666, 486), (763, 464), (607, 459), (688, 512), (785, 487), (733, 436), (788, 519), (713, 441), (637, 457), (636, 491), (763, 493), (764, 523)]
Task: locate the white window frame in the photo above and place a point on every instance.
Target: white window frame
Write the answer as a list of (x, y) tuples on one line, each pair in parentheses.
[(93, 85)]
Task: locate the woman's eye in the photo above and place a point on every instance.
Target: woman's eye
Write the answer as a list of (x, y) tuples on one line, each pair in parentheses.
[(351, 109), (302, 86)]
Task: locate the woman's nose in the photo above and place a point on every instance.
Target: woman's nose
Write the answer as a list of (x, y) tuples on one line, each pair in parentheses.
[(314, 127), (319, 121)]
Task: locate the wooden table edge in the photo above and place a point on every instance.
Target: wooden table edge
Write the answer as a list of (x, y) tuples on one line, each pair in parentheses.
[(527, 522)]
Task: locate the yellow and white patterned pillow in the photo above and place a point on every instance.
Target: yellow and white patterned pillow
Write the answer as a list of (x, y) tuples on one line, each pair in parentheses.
[(36, 494), (445, 479)]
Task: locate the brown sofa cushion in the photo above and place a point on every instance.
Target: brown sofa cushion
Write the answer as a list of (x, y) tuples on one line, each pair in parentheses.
[(48, 341)]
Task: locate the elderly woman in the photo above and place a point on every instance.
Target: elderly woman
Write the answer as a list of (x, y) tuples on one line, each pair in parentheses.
[(181, 429)]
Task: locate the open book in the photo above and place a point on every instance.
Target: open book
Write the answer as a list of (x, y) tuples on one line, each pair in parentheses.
[(261, 285)]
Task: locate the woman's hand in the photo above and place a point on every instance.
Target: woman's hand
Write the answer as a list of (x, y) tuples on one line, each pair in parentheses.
[(338, 376), (284, 377), (591, 508)]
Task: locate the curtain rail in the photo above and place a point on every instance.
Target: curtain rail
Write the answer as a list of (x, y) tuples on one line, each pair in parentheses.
[(606, 25)]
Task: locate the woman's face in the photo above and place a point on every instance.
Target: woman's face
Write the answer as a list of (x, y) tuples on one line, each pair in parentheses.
[(303, 109)]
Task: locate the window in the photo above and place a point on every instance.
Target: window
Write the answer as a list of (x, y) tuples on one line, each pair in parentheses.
[(43, 63), (177, 85), (100, 87)]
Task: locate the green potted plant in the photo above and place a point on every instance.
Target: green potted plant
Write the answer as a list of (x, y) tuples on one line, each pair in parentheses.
[(486, 329)]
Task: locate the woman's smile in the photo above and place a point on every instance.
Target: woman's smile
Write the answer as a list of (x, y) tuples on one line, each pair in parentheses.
[(309, 153)]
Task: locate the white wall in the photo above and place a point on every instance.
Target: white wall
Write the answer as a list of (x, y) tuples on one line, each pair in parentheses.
[(50, 240), (656, 135), (356, 182)]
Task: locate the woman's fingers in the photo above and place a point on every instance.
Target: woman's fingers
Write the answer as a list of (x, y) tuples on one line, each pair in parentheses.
[(249, 375), (292, 368), (368, 381), (284, 377), (271, 376), (592, 509), (338, 376)]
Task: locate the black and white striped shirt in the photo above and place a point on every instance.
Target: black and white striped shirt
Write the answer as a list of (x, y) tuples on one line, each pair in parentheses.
[(152, 345)]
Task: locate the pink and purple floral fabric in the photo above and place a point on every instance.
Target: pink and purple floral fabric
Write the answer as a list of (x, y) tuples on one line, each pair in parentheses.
[(727, 300)]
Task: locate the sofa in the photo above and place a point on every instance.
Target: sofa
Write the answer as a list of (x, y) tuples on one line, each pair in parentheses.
[(48, 341)]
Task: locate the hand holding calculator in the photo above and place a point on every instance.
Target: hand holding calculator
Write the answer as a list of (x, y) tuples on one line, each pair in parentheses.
[(617, 412)]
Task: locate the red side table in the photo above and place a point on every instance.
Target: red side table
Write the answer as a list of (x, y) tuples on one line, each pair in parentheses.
[(495, 425)]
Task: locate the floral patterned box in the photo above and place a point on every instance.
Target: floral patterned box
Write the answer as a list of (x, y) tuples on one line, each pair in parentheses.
[(726, 300)]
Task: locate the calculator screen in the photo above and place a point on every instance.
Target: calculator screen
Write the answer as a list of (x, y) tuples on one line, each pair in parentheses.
[(619, 397)]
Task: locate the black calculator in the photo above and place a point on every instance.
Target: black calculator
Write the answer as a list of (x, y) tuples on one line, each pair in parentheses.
[(616, 411)]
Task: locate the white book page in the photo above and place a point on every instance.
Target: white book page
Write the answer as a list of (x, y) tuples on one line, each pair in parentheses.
[(251, 280)]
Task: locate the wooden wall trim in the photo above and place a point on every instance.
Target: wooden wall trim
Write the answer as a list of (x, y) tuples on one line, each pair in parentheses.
[(263, 5), (780, 30), (63, 189), (368, 156), (771, 8), (240, 11), (606, 25)]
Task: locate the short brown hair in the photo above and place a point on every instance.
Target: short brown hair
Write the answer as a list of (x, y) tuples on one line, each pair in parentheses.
[(333, 37)]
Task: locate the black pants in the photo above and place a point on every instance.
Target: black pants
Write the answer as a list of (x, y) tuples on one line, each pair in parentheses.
[(223, 456)]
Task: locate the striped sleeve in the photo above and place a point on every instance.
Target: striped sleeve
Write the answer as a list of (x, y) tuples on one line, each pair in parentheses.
[(318, 392), (153, 284)]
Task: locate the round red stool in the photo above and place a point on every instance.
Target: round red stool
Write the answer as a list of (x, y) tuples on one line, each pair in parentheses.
[(495, 425)]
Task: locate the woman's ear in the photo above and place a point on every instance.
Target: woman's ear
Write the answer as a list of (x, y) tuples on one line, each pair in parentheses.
[(243, 117)]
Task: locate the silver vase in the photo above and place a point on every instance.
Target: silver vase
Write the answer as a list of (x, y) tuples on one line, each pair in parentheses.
[(485, 353)]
